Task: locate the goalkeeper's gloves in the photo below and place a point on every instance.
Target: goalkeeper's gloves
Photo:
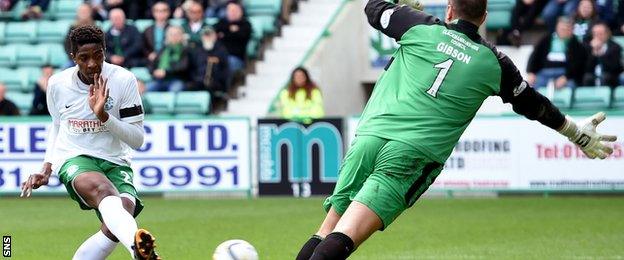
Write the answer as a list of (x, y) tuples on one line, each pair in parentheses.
[(584, 135), (416, 4)]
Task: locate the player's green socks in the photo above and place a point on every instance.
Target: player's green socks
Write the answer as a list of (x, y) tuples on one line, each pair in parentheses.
[(336, 246), (308, 248)]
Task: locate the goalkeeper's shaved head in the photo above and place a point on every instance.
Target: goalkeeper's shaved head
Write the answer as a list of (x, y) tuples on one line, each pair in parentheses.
[(471, 10)]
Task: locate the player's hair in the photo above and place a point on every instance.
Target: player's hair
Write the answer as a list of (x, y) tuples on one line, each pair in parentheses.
[(309, 84), (471, 10), (85, 34)]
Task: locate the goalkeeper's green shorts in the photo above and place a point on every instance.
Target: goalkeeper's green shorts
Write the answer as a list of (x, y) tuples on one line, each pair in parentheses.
[(387, 176)]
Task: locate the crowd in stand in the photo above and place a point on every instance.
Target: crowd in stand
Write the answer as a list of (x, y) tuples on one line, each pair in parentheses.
[(578, 48), (194, 56)]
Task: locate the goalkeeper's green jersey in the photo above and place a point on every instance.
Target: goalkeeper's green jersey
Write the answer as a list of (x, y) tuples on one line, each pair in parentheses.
[(435, 82)]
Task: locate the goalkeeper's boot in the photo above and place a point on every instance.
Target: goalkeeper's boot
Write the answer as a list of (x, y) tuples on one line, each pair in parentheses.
[(144, 246)]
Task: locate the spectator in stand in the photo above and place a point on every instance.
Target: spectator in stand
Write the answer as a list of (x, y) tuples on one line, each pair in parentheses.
[(216, 8), (35, 9), (134, 9), (235, 31), (522, 18), (174, 5), (210, 65), (194, 23), (169, 69), (123, 42), (7, 107), (558, 56), (619, 27), (147, 106), (584, 19), (7, 5), (84, 16), (604, 64), (605, 10), (302, 99), (154, 35), (39, 104), (556, 8), (100, 12)]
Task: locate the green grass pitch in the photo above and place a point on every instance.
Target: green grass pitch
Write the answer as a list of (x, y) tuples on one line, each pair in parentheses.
[(505, 228)]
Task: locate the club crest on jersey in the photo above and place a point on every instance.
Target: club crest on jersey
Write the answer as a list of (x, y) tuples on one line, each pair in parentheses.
[(109, 103)]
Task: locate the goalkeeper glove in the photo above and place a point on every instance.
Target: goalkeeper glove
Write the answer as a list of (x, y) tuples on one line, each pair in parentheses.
[(585, 137), (416, 4)]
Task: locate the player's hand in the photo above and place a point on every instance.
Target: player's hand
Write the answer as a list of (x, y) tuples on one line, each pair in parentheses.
[(416, 4), (33, 182), (584, 135), (98, 94)]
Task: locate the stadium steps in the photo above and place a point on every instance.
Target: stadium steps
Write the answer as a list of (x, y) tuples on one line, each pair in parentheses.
[(284, 54)]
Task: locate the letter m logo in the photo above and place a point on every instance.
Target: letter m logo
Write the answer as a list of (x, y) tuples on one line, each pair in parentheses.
[(299, 157)]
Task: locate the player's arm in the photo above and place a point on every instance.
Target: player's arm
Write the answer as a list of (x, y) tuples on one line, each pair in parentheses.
[(129, 127), (37, 180), (534, 106), (394, 20)]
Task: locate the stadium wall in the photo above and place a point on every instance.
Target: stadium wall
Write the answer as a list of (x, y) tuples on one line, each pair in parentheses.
[(339, 61)]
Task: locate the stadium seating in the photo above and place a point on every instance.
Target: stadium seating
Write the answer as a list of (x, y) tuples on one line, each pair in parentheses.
[(63, 9), (52, 31), (618, 98), (270, 7), (499, 14), (7, 56), (142, 74), (562, 98), (161, 102), (21, 32), (2, 29), (591, 97), (192, 102), (14, 80), (142, 24), (32, 74), (57, 56), (23, 101), (31, 55)]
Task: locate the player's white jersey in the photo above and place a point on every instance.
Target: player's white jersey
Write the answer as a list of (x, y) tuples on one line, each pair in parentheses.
[(80, 132)]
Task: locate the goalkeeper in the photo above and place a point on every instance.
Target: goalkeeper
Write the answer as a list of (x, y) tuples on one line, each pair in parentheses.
[(430, 91)]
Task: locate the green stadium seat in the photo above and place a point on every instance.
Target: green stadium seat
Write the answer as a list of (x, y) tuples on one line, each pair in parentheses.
[(498, 19), (142, 24), (192, 102), (211, 20), (105, 25), (23, 101), (562, 98), (31, 55), (161, 102), (64, 9), (619, 40), (13, 79), (21, 32), (270, 7), (56, 54), (32, 75), (7, 56), (591, 97), (618, 98), (53, 31), (252, 48), (176, 21), (142, 74), (15, 13), (2, 30), (257, 27)]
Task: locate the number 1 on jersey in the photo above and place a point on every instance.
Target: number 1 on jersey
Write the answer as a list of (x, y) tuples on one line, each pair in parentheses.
[(444, 68)]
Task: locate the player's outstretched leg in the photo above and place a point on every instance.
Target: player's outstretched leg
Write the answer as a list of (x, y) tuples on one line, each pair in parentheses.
[(98, 192), (354, 227), (96, 247), (144, 246), (326, 227)]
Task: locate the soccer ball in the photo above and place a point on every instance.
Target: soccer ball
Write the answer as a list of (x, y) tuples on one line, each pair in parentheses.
[(235, 249)]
